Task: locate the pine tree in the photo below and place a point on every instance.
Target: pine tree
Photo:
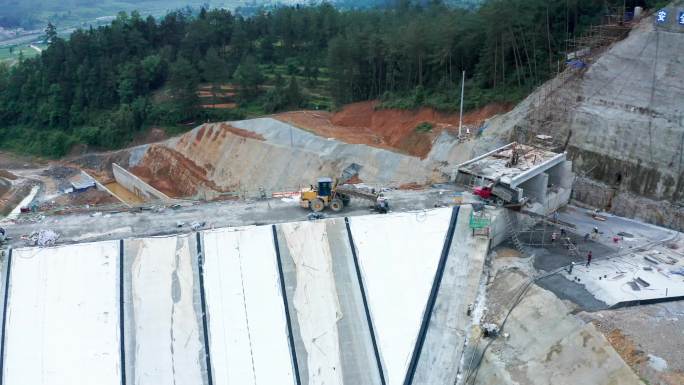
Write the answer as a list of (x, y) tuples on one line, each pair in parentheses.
[(295, 99), (50, 33), (184, 81)]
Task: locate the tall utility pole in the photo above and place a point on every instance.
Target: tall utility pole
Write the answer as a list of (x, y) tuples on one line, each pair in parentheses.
[(460, 119)]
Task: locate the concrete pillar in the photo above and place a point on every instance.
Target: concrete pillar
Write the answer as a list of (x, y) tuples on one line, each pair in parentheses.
[(561, 175), (535, 188)]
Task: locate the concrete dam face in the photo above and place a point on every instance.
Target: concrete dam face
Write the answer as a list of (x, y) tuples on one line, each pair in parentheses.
[(336, 301)]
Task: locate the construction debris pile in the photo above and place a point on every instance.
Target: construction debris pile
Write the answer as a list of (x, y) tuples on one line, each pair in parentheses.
[(42, 238)]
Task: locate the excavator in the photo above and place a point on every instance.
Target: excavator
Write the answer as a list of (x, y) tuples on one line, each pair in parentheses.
[(336, 195)]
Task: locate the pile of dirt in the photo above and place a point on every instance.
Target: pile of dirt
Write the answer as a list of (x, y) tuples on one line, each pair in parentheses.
[(398, 130), (88, 197), (505, 252), (412, 186), (99, 164), (7, 175), (58, 171), (632, 355)]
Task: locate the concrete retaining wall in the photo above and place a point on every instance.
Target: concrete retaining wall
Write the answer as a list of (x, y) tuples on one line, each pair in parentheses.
[(99, 186), (137, 185)]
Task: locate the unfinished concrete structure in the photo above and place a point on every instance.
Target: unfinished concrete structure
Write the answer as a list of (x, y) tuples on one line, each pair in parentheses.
[(360, 300), (621, 122), (540, 177), (384, 299), (137, 186), (340, 301), (545, 345)]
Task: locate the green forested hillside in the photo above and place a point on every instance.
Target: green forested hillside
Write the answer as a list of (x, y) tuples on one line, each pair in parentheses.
[(31, 14), (101, 86)]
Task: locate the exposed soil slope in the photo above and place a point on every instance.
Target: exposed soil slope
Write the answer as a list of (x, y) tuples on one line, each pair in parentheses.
[(244, 157), (363, 123), (175, 174)]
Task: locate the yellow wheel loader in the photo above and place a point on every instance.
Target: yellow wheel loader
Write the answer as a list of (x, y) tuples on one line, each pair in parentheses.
[(323, 195), (337, 195)]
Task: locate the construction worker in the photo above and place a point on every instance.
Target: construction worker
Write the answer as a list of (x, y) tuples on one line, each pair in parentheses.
[(589, 258), (595, 232)]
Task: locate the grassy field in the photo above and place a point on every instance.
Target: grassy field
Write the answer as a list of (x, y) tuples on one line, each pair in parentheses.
[(24, 49)]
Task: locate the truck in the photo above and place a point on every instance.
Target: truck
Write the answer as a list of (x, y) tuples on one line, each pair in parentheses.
[(498, 194)]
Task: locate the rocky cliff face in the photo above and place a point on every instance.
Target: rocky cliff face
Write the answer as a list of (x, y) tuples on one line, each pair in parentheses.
[(622, 118)]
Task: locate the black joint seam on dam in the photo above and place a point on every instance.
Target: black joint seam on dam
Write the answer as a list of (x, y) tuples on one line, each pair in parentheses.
[(4, 317), (290, 336), (432, 299), (122, 319), (200, 267), (378, 360), (650, 301)]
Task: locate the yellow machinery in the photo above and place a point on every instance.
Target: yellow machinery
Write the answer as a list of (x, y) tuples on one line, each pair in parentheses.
[(323, 195), (337, 195)]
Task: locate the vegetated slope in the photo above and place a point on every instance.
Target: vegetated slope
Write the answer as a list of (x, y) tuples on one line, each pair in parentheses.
[(97, 86), (624, 117)]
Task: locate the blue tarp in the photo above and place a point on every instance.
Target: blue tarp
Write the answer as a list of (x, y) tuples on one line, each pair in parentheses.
[(576, 64)]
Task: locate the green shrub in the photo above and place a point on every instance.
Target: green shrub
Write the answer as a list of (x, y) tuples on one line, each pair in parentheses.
[(424, 127)]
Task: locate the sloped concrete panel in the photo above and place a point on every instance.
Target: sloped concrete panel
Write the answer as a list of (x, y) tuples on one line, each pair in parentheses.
[(247, 324), (398, 255), (163, 329), (63, 316)]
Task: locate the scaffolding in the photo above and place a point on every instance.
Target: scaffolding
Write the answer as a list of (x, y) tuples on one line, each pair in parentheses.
[(554, 103)]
